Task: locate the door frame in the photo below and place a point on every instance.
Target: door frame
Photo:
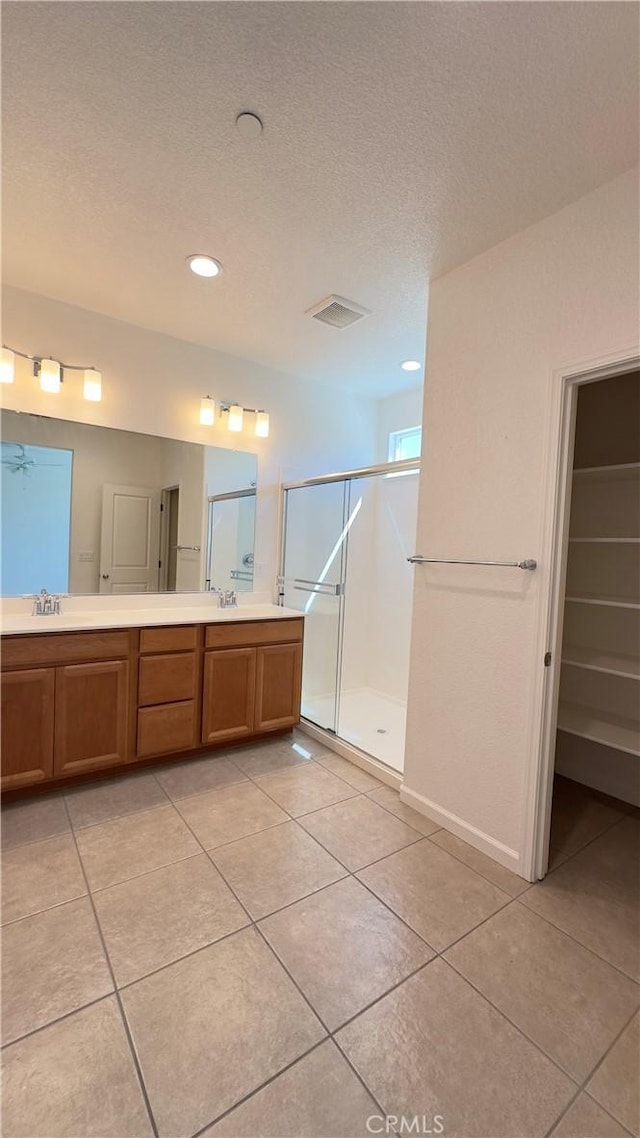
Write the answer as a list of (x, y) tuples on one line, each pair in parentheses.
[(554, 544)]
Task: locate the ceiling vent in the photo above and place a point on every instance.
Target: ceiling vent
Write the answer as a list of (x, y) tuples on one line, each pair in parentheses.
[(337, 312)]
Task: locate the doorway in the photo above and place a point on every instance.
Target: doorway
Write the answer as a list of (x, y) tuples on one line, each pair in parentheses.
[(590, 769), (169, 515)]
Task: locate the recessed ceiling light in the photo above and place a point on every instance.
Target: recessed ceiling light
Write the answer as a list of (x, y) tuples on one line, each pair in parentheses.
[(204, 265), (249, 124), (411, 365)]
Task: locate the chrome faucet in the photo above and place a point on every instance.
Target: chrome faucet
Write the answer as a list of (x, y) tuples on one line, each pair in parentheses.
[(46, 604), (228, 599)]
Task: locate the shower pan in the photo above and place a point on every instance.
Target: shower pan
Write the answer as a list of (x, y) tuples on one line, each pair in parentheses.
[(346, 540)]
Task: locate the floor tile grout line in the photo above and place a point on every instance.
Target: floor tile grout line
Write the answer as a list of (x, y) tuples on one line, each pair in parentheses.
[(349, 873), (125, 1022), (583, 1085), (559, 928), (51, 1023), (362, 794), (267, 1082), (527, 884), (126, 880), (581, 849), (608, 1113), (516, 1026), (39, 912), (314, 1012)]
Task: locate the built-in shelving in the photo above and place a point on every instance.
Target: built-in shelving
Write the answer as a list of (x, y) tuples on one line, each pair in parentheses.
[(596, 660), (600, 674), (612, 602), (611, 731), (607, 473)]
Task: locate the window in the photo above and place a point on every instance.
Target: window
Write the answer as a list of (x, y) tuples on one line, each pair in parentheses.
[(405, 444)]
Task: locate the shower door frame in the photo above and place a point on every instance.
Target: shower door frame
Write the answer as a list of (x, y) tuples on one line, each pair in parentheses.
[(405, 466)]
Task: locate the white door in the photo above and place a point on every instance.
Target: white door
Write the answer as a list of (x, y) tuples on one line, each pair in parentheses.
[(130, 545)]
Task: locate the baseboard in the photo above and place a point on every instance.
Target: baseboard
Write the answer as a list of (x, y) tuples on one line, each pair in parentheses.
[(355, 756), (474, 837)]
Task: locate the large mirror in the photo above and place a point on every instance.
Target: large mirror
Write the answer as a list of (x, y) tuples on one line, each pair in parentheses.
[(94, 510)]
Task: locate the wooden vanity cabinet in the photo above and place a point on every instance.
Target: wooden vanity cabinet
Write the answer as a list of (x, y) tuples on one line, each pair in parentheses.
[(91, 716), (251, 686), (278, 686), (83, 701), (27, 726), (168, 683)]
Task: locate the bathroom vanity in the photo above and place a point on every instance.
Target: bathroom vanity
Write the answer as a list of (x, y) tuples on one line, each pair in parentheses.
[(112, 690)]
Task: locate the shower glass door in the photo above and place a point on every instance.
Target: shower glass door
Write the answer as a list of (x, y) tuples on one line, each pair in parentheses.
[(316, 524)]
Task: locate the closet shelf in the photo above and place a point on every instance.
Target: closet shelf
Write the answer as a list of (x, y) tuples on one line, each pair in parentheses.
[(606, 540), (594, 660), (608, 473), (612, 602), (612, 731)]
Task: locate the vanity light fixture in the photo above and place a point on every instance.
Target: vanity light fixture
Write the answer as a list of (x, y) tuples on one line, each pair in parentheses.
[(50, 373), (7, 366), (411, 365), (203, 265), (235, 417), (92, 385), (235, 420), (207, 411), (262, 424)]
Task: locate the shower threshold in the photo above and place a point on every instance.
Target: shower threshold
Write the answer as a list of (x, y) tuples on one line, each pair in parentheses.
[(368, 720)]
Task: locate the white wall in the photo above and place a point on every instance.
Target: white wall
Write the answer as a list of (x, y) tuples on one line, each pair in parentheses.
[(153, 384), (558, 295), (397, 413)]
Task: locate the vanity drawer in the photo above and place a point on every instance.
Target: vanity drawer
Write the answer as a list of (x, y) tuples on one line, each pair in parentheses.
[(249, 632), (64, 648), (169, 727), (166, 679), (173, 638)]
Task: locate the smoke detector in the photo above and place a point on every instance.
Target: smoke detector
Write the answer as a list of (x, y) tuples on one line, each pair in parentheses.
[(337, 311)]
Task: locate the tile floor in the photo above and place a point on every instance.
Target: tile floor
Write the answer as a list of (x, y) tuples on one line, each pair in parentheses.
[(268, 942)]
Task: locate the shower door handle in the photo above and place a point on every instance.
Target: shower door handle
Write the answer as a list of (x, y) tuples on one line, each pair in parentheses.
[(306, 586)]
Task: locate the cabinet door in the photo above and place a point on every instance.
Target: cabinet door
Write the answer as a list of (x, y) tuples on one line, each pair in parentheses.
[(229, 692), (278, 683), (92, 708), (27, 726)]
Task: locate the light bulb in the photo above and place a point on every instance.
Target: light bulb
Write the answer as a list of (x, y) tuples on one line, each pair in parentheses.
[(50, 377), (411, 365), (92, 389), (235, 418), (7, 366), (207, 411), (262, 425)]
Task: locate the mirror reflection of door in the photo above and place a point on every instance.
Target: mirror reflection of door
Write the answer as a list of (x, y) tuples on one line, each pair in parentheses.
[(230, 541), (52, 531), (170, 512), (130, 545)]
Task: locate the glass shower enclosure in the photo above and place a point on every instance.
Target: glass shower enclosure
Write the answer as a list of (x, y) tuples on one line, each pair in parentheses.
[(346, 540)]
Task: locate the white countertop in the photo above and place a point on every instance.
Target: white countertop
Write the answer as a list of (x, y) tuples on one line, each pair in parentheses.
[(80, 621)]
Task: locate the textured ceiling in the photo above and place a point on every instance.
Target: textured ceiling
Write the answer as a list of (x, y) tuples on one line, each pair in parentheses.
[(399, 140)]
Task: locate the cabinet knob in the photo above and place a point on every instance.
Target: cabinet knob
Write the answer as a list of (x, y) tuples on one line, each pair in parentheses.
[(105, 576)]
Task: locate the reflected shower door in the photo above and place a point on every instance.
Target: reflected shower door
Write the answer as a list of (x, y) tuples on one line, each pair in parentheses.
[(312, 581)]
